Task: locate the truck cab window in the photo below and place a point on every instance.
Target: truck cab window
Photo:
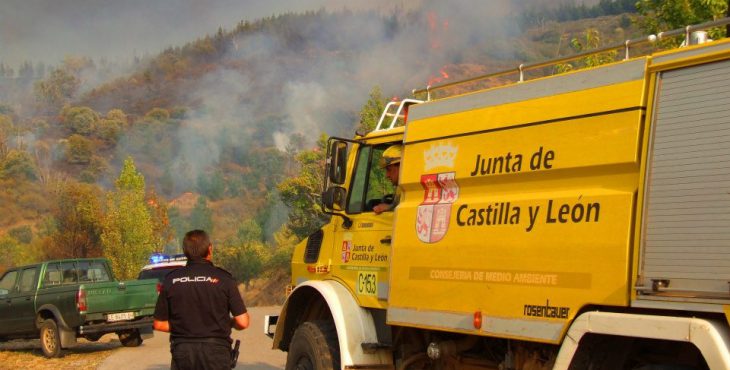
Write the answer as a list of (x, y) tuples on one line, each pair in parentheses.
[(97, 272), (69, 273), (52, 276), (369, 183), (8, 281), (27, 279), (83, 268)]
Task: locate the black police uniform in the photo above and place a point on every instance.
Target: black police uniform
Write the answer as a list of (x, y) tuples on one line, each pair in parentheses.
[(197, 300)]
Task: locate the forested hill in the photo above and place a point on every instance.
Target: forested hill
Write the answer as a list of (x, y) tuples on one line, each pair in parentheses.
[(222, 133)]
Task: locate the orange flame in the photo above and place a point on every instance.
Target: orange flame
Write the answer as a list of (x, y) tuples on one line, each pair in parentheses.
[(434, 80), (434, 29)]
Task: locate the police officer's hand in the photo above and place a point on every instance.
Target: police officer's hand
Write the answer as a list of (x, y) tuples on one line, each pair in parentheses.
[(161, 325), (240, 322)]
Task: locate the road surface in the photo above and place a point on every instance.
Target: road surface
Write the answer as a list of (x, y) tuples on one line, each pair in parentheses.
[(154, 354)]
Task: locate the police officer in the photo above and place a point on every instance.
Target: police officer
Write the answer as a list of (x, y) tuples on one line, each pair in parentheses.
[(195, 306)]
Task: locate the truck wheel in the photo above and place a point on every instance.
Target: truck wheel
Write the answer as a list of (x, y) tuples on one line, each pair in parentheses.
[(601, 352), (130, 338), (50, 339), (314, 346)]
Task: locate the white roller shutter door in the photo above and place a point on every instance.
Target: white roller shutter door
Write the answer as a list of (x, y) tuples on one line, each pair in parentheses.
[(686, 231)]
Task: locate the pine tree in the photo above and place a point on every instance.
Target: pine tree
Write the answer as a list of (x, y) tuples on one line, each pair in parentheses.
[(128, 231), (371, 111), (202, 217)]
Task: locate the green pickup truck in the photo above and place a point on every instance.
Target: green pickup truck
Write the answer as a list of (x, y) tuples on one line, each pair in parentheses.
[(58, 301)]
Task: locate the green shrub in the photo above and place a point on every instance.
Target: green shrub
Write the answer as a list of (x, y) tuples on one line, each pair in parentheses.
[(22, 234)]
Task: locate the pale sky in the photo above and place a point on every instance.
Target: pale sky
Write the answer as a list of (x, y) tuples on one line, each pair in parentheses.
[(48, 30)]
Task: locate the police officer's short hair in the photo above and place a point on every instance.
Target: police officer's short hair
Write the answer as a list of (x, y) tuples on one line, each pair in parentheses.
[(195, 244)]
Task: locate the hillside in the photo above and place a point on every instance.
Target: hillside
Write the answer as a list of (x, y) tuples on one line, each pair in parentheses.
[(266, 291), (216, 125)]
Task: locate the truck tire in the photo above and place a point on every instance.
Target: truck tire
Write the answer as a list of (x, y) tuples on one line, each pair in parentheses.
[(130, 338), (50, 339), (601, 352), (314, 346)]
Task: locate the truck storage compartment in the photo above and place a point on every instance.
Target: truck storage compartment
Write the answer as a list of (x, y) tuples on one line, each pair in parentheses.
[(686, 218)]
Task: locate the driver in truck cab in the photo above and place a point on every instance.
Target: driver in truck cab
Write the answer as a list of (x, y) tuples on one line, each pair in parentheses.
[(390, 161)]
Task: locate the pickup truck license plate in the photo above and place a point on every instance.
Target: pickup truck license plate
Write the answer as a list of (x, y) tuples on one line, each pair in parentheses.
[(120, 316)]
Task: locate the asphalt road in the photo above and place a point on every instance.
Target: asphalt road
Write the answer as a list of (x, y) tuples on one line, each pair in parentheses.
[(154, 354)]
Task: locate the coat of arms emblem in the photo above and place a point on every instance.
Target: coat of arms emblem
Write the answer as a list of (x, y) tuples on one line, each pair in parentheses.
[(434, 213)]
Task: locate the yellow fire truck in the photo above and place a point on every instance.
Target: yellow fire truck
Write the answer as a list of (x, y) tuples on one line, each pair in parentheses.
[(575, 221)]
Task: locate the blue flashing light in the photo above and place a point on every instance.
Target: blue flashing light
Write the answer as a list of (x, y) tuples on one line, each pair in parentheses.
[(158, 257)]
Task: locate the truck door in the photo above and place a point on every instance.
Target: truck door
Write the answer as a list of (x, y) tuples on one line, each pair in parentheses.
[(364, 248), (7, 287), (23, 302), (19, 305)]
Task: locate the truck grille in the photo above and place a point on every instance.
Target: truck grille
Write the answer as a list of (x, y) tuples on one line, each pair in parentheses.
[(314, 244)]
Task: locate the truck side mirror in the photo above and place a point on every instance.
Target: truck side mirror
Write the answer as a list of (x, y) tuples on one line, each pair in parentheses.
[(334, 198), (338, 162)]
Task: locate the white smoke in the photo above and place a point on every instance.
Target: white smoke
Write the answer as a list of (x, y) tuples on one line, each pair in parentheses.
[(319, 85)]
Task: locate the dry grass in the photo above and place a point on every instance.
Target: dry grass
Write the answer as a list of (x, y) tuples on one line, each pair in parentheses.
[(26, 354), (269, 291)]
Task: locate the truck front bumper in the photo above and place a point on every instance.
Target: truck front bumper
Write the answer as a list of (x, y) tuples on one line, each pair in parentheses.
[(269, 321)]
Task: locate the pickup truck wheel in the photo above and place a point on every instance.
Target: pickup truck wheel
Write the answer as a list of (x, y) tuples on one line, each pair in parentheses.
[(130, 338), (314, 346), (50, 339)]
